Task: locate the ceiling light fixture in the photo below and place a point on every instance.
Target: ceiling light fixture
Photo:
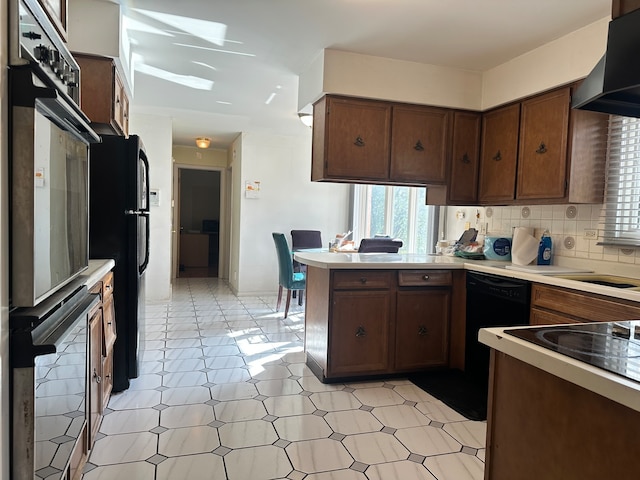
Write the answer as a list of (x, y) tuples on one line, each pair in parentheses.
[(203, 142), (306, 118)]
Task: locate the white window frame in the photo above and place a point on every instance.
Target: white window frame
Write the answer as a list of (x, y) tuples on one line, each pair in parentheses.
[(362, 223)]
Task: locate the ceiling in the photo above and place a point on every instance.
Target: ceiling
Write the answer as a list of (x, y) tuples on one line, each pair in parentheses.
[(221, 67)]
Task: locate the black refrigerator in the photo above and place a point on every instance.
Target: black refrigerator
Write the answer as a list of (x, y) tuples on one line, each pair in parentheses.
[(119, 229)]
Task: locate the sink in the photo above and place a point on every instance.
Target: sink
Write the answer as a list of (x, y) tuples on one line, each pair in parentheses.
[(605, 280)]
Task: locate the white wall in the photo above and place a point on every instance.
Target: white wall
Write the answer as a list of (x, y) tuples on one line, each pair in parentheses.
[(562, 61), (155, 132), (287, 200)]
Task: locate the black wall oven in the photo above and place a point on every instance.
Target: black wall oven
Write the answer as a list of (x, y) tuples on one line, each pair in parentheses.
[(49, 204)]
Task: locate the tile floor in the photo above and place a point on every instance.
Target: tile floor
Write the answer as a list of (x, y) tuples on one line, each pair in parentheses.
[(224, 393)]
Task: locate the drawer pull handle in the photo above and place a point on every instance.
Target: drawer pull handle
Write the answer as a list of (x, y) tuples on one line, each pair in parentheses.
[(425, 277), (418, 146), (97, 377), (465, 158), (542, 148), (363, 280), (422, 330), (360, 332), (359, 142), (498, 156), (108, 323)]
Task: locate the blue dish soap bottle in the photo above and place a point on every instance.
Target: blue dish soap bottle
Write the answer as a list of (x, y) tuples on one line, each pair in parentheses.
[(544, 250)]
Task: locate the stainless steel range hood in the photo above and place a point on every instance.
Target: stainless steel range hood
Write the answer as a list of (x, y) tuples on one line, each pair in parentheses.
[(613, 86)]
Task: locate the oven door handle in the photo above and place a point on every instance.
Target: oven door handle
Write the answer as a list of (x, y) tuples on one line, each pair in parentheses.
[(47, 340)]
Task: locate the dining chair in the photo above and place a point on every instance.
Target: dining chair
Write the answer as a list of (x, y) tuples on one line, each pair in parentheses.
[(379, 245), (287, 278), (304, 239)]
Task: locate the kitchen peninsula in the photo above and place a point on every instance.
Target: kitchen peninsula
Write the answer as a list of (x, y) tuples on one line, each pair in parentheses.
[(552, 416), (354, 300)]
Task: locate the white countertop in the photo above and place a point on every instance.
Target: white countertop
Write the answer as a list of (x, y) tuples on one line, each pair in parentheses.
[(392, 261), (602, 382), (97, 269)]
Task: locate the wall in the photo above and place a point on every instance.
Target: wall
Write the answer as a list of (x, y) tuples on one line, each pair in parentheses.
[(155, 132), (562, 61), (389, 79), (287, 200), (196, 157), (4, 251)]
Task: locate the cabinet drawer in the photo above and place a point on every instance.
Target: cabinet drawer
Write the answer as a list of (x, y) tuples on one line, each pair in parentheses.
[(360, 279), (583, 306), (424, 278), (107, 286)]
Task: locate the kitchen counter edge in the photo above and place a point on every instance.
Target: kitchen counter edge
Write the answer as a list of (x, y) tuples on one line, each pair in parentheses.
[(609, 385), (342, 261)]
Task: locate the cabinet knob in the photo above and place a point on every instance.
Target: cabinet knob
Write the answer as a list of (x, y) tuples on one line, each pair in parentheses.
[(498, 156), (542, 148), (466, 159), (425, 277), (360, 332), (359, 142), (422, 331), (96, 377), (418, 146), (363, 280)]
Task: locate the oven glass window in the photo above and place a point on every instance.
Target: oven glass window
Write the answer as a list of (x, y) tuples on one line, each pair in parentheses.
[(61, 205)]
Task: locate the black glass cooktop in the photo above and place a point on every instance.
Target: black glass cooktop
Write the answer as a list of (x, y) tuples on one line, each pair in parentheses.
[(612, 346)]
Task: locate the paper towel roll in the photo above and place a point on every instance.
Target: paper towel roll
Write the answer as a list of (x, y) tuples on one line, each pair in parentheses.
[(524, 246)]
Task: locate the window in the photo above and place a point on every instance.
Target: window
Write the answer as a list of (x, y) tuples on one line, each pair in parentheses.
[(622, 190), (399, 212)]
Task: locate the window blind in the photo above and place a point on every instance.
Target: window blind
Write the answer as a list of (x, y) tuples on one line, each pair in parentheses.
[(622, 189)]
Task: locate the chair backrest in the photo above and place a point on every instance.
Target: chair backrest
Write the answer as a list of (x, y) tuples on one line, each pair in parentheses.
[(379, 245), (306, 239), (285, 261)]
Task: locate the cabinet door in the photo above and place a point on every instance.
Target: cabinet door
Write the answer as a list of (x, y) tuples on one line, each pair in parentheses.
[(542, 159), (499, 155), (359, 333), (358, 136), (465, 158), (422, 328), (419, 141), (95, 373)]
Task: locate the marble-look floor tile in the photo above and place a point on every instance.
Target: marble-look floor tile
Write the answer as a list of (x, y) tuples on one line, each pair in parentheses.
[(289, 405), (252, 433), (440, 412), (334, 401), (315, 456), (378, 447), (188, 441), (342, 474), (471, 434), (184, 379), (186, 416), (194, 467), (350, 422), (272, 388), (400, 416), (378, 397), (257, 463), (302, 427), (239, 410), (428, 440), (186, 396), (129, 421), (455, 466), (137, 470), (405, 469), (128, 447)]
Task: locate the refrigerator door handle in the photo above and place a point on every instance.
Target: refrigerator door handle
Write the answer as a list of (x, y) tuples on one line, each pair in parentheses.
[(133, 212), (143, 267)]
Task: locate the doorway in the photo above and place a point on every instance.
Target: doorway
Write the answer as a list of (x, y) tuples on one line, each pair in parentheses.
[(199, 214)]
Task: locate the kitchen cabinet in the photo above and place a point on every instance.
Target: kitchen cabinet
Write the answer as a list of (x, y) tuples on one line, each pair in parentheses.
[(622, 7), (462, 186), (540, 151), (361, 323), (577, 433), (422, 319), (103, 97), (371, 141), (102, 336), (555, 305)]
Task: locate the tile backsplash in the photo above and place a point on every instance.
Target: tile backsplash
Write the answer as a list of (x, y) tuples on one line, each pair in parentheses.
[(570, 227)]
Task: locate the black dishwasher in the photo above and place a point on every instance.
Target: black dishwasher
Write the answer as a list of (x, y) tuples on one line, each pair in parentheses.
[(492, 301)]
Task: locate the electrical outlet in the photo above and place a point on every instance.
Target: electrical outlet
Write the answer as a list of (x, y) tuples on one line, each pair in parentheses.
[(590, 233)]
